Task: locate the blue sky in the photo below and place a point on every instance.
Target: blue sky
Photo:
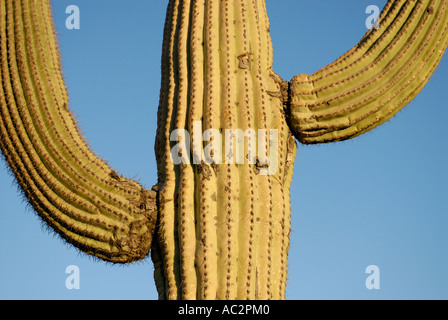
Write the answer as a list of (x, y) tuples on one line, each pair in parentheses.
[(380, 199)]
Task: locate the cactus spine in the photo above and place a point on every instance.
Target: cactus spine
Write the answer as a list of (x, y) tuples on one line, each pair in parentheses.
[(222, 229)]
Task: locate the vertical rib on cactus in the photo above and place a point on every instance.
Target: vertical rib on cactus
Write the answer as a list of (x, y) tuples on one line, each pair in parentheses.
[(70, 188), (373, 81), (227, 222)]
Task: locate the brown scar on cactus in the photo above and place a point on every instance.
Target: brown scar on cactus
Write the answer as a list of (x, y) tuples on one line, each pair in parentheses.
[(213, 235), (204, 170), (244, 61)]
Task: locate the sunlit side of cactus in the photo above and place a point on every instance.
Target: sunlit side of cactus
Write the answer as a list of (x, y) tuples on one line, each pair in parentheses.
[(222, 229), (72, 190), (373, 81)]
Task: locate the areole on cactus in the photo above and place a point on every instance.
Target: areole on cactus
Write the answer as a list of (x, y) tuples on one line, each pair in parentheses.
[(216, 231)]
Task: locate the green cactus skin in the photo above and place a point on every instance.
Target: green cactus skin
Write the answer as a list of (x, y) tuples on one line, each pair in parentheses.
[(222, 230), (373, 81), (71, 189), (224, 233)]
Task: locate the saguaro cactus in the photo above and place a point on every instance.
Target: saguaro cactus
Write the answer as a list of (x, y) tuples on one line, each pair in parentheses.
[(216, 229)]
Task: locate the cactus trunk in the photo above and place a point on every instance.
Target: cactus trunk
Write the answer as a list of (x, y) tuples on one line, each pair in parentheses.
[(223, 229)]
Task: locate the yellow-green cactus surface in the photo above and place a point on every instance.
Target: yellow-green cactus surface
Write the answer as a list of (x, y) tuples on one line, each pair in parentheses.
[(217, 229)]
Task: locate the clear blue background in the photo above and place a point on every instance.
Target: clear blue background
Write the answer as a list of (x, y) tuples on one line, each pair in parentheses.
[(378, 199)]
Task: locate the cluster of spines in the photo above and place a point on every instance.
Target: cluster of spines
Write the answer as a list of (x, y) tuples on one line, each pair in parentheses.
[(71, 189), (373, 81)]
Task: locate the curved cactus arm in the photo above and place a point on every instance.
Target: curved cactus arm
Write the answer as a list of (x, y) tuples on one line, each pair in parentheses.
[(70, 188), (373, 81)]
